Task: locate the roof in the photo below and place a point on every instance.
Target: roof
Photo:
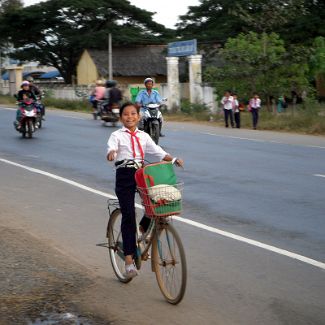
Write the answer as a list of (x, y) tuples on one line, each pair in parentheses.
[(147, 60), (34, 74), (50, 75)]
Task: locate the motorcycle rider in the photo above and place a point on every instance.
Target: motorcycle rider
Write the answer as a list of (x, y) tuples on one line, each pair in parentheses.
[(113, 95), (33, 88), (145, 97), (97, 94), (25, 97), (25, 89)]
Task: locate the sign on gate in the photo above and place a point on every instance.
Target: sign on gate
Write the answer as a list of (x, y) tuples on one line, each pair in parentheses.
[(184, 48)]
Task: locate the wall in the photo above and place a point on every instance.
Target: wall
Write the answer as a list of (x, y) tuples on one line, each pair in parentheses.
[(69, 92), (4, 87)]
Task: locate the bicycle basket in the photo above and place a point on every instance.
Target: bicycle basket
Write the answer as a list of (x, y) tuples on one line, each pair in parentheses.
[(162, 200), (155, 183)]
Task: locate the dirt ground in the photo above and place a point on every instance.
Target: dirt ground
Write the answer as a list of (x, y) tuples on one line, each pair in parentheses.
[(39, 285)]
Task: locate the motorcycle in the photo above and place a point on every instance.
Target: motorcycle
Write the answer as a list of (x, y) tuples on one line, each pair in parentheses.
[(107, 113), (151, 118), (28, 122)]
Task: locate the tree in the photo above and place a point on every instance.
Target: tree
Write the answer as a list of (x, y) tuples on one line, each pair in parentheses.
[(9, 5), (318, 57), (250, 66), (306, 26), (56, 32), (317, 64), (211, 21), (266, 16), (296, 21)]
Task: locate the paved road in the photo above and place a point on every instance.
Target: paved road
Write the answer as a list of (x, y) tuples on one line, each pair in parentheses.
[(259, 185)]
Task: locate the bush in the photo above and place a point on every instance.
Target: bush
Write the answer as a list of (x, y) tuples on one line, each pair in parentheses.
[(70, 105), (189, 108)]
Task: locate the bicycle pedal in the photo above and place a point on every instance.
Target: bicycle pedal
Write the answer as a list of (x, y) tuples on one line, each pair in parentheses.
[(146, 257)]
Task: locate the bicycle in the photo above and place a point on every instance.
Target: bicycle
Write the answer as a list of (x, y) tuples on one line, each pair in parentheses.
[(167, 252)]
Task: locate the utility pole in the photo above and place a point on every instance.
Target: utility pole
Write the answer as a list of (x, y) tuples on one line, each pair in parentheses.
[(110, 63), (0, 66)]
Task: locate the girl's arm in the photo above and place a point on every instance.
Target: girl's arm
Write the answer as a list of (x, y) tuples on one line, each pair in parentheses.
[(112, 147), (179, 162)]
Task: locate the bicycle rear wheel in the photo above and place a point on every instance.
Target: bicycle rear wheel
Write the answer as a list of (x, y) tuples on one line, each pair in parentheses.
[(115, 245), (169, 263)]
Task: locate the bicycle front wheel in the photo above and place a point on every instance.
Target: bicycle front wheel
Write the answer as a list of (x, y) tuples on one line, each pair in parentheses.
[(169, 263), (115, 245)]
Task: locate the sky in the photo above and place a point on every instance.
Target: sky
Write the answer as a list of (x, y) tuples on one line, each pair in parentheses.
[(167, 10)]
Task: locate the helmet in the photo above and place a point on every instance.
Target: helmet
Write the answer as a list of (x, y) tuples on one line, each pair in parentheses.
[(110, 83), (24, 83), (30, 79), (148, 80)]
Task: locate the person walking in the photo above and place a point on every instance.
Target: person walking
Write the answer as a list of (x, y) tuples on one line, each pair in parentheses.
[(235, 108), (227, 103), (255, 106)]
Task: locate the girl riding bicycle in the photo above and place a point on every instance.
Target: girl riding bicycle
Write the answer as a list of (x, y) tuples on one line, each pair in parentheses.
[(125, 144)]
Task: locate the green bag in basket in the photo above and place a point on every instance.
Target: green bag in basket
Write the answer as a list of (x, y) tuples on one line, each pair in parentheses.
[(157, 184)]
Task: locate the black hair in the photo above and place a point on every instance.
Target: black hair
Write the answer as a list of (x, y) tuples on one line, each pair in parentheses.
[(129, 104), (110, 83)]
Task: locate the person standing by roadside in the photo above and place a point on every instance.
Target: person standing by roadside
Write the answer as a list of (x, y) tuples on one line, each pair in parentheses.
[(255, 106), (235, 108), (227, 102)]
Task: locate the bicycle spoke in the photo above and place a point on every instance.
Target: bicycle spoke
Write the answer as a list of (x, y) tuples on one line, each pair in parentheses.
[(116, 246), (170, 264)]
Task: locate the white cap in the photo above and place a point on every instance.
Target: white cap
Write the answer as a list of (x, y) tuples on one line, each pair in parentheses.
[(25, 83), (147, 80)]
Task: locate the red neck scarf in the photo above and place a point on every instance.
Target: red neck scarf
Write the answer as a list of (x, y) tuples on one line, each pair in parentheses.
[(133, 136)]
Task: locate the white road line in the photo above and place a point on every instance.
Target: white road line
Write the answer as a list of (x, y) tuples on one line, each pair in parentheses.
[(319, 175), (232, 137), (73, 117), (9, 108), (61, 115), (274, 249), (259, 140)]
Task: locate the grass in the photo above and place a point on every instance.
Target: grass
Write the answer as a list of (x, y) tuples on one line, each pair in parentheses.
[(7, 100), (308, 120)]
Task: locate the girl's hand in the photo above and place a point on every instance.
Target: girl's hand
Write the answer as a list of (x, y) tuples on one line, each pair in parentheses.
[(111, 155), (178, 162)]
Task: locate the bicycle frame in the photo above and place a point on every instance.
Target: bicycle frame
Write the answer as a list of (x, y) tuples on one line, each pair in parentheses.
[(144, 241)]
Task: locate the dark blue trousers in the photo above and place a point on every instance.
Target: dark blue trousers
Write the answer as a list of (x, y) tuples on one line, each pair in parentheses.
[(229, 113), (125, 187), (255, 117)]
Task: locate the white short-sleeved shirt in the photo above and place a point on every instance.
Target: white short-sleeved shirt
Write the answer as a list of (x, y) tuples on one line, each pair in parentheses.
[(255, 103), (120, 141), (227, 102)]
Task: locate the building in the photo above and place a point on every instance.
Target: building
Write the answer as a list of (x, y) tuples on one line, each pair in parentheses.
[(131, 65)]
